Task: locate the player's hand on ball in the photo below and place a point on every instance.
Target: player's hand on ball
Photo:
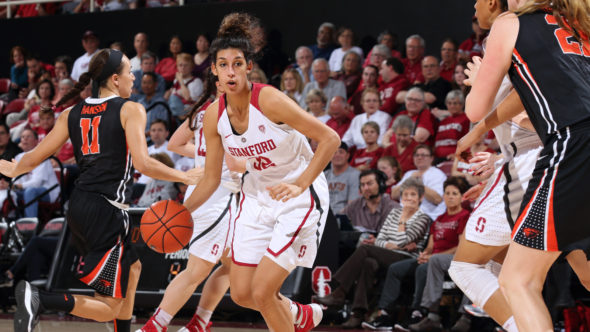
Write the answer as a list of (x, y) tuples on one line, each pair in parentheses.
[(194, 175), (284, 191), (471, 71)]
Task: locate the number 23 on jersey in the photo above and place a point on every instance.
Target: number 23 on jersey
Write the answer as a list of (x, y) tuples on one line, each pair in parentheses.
[(86, 124)]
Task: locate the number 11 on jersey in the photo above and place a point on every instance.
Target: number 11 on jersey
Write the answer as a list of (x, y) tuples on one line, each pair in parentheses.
[(85, 125)]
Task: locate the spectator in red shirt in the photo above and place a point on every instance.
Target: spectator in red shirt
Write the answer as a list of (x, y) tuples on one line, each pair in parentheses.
[(413, 61), (402, 146), (472, 46), (366, 158), (167, 66), (369, 80), (425, 123), (448, 56), (452, 128), (34, 10), (46, 122), (340, 115), (388, 39), (377, 54), (394, 81)]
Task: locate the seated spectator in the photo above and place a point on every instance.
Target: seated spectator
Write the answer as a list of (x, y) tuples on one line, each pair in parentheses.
[(149, 100), (141, 44), (442, 243), (111, 5), (388, 39), (370, 102), (43, 97), (257, 76), (343, 181), (390, 166), (460, 77), (425, 124), (34, 183), (325, 42), (340, 115), (345, 38), (157, 190), (435, 87), (394, 81), (147, 65), (8, 149), (403, 230), (18, 73), (452, 128), (202, 58), (35, 10), (46, 123), (369, 80), (366, 158), (63, 87), (448, 56), (403, 144), (167, 67), (62, 67), (186, 88), (350, 73), (413, 61), (90, 43), (367, 213), (316, 104), (330, 87), (431, 177), (33, 263), (304, 59), (378, 54), (158, 136), (472, 46), (292, 84)]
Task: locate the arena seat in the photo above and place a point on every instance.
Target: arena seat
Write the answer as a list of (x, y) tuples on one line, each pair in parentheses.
[(4, 85), (16, 105)]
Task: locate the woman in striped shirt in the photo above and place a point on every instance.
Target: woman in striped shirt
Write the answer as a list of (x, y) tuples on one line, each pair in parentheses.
[(403, 229)]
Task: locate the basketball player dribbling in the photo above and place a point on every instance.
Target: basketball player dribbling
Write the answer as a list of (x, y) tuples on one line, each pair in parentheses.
[(107, 133), (546, 51), (284, 197), (212, 227)]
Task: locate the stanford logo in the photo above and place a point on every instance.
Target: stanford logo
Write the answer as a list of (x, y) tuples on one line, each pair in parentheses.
[(261, 128), (530, 233), (320, 276)]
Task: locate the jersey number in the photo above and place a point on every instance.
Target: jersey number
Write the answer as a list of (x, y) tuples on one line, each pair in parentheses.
[(262, 163), (85, 125), (567, 42)]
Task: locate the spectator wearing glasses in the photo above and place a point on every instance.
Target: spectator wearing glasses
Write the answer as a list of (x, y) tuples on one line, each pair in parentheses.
[(413, 61), (448, 56), (345, 38), (425, 123), (433, 180), (389, 40), (330, 87)]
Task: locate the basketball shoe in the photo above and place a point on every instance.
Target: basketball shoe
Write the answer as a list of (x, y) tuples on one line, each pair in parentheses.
[(308, 316), (196, 325), (152, 326)]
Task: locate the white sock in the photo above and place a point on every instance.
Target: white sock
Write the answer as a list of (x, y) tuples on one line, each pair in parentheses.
[(510, 325), (294, 309), (162, 317), (205, 315)]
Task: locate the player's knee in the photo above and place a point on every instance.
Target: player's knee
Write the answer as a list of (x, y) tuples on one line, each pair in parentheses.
[(241, 297), (136, 267), (474, 280)]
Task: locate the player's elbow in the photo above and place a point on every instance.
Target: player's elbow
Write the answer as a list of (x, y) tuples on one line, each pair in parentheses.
[(332, 141), (471, 109)]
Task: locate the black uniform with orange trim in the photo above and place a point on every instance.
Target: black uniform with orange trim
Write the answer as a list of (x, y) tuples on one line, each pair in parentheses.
[(551, 73), (99, 225)]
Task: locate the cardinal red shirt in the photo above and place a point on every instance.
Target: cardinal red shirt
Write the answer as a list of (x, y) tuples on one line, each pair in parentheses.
[(340, 126), (413, 72), (405, 158), (362, 157), (445, 230), (447, 72), (388, 91), (450, 130), (424, 119)]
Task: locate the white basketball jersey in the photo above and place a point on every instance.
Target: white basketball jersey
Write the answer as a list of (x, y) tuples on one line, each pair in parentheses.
[(274, 152)]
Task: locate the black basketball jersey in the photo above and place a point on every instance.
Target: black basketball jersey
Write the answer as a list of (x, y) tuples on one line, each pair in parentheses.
[(551, 73), (101, 149)]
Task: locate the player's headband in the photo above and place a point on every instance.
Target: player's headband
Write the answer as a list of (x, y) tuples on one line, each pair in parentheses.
[(109, 68)]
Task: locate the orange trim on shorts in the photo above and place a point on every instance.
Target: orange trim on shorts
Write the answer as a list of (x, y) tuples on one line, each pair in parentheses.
[(118, 293), (88, 278), (551, 236), (296, 232)]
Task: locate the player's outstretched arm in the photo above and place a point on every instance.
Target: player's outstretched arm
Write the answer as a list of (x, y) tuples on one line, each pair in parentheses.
[(213, 161), (46, 148), (281, 109), (133, 120), (181, 142)]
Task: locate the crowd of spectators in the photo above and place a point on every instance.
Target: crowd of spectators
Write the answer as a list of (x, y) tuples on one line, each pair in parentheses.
[(399, 118)]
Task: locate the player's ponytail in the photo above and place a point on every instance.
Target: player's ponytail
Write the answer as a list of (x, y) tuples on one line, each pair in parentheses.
[(103, 65), (572, 15), (209, 94), (235, 32)]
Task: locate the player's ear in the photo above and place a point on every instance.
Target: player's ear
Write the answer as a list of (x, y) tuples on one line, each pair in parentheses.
[(249, 67), (214, 68)]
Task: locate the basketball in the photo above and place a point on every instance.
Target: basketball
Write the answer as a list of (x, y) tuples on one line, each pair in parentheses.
[(166, 226)]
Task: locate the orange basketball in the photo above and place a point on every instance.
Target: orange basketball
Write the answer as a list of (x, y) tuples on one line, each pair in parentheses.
[(166, 226)]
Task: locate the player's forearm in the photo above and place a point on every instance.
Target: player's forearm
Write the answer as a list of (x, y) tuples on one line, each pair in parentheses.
[(155, 169), (509, 108), (324, 153), (206, 188)]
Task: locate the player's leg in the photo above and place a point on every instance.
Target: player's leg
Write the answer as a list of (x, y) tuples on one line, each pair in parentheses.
[(240, 279), (123, 319), (522, 279), (265, 287)]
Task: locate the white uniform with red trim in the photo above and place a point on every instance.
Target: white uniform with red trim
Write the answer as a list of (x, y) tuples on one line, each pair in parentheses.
[(497, 208), (212, 220), (289, 232)]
